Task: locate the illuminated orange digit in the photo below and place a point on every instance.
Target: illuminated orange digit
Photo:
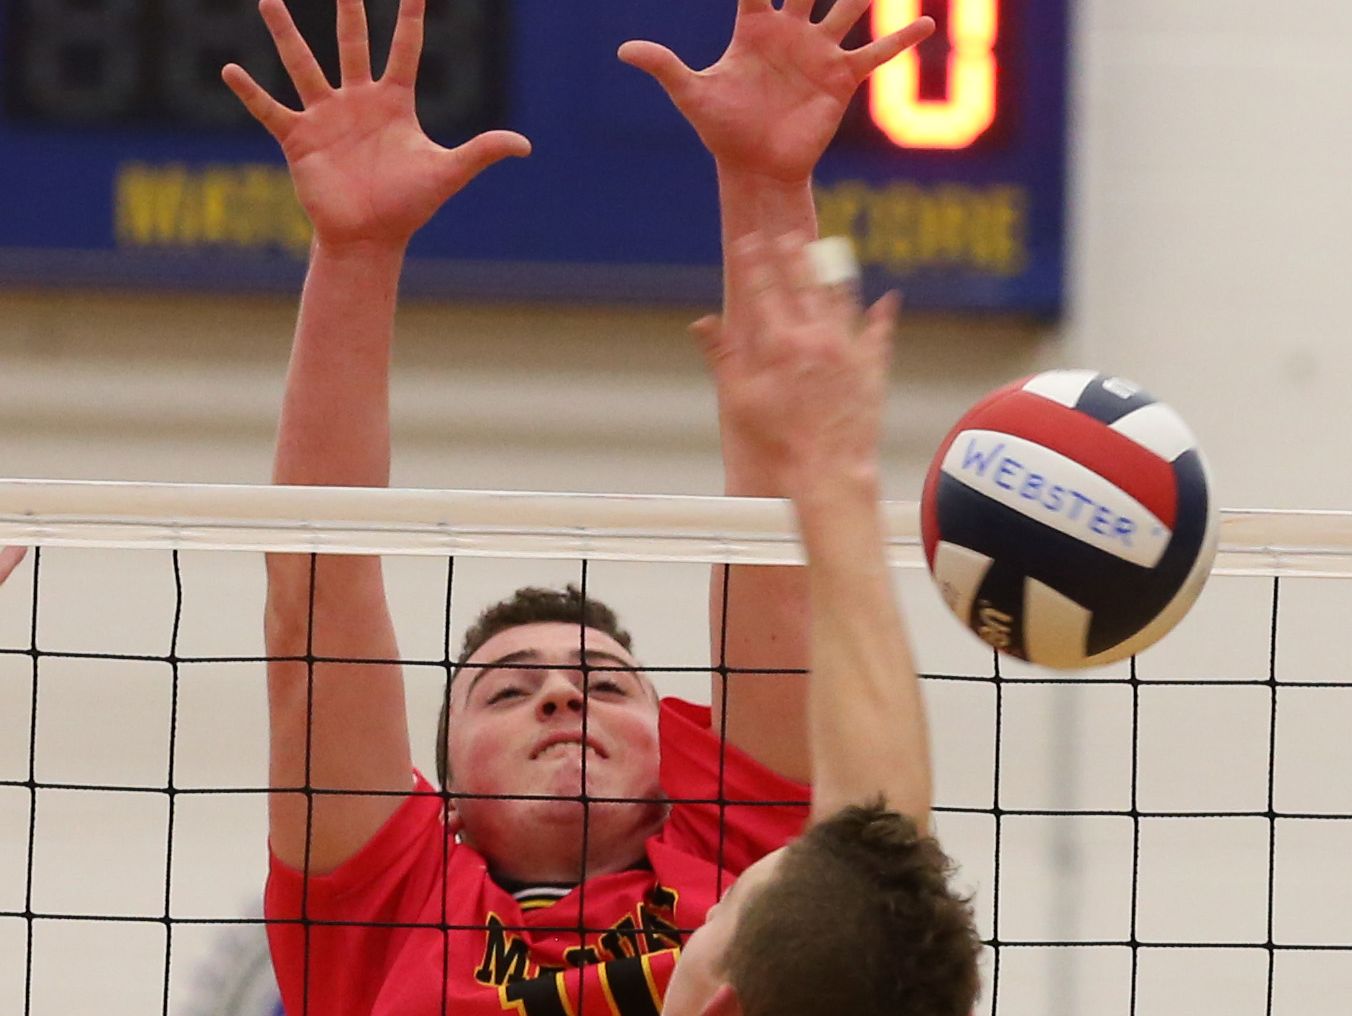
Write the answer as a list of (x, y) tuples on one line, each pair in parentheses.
[(969, 110)]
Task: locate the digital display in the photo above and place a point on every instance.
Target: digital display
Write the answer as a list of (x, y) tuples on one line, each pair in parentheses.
[(127, 161), (969, 99), (130, 63)]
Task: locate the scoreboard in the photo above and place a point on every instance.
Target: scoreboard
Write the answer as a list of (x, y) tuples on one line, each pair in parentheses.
[(125, 161)]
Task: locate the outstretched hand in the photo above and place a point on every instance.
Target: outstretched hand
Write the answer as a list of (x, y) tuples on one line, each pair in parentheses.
[(775, 99), (363, 167), (811, 368)]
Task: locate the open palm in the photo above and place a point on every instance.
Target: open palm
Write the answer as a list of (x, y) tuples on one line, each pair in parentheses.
[(774, 100), (363, 168), (812, 366)]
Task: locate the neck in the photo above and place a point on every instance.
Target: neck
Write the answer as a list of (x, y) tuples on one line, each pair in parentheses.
[(616, 837)]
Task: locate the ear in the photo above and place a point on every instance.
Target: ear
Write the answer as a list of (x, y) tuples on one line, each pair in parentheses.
[(724, 1003), (454, 823)]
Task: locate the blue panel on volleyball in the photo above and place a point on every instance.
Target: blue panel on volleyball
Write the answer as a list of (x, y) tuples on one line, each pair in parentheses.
[(126, 161)]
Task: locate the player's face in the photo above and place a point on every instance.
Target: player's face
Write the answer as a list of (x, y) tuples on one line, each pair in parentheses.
[(699, 986), (518, 726)]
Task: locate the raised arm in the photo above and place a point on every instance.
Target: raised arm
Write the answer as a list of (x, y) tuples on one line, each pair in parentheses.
[(766, 111), (828, 364), (368, 177)]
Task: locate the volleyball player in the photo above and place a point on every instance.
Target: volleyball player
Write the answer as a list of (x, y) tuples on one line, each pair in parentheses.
[(396, 916), (856, 916)]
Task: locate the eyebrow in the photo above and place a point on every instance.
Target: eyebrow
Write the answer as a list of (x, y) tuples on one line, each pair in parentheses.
[(523, 658)]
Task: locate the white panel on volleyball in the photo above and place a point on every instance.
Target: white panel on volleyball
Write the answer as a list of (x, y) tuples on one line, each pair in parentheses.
[(1159, 429), (959, 572), (1063, 386), (1055, 627)]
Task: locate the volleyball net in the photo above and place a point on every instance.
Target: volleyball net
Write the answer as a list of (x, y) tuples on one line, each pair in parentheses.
[(1162, 836)]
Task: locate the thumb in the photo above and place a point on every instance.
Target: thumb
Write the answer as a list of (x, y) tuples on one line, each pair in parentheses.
[(493, 146), (659, 62), (478, 153)]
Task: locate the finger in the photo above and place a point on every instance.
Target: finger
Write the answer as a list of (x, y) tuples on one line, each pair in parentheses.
[(752, 6), (406, 47), (9, 560), (867, 59), (463, 164), (300, 63), (708, 332), (836, 270), (660, 63), (354, 42), (880, 324), (799, 8), (843, 16), (805, 292), (841, 305), (274, 117)]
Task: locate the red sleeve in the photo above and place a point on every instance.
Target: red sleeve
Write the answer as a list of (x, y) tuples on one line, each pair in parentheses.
[(383, 883), (698, 767)]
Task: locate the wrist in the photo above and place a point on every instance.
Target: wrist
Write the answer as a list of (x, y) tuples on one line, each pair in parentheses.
[(366, 254), (763, 202), (841, 521), (833, 488), (734, 174), (750, 468)]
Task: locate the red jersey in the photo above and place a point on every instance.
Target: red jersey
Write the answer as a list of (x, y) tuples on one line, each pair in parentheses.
[(435, 935)]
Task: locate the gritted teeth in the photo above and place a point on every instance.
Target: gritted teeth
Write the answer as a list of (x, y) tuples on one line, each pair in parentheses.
[(562, 747)]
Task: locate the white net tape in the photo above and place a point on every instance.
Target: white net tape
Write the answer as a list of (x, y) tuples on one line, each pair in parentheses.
[(504, 524)]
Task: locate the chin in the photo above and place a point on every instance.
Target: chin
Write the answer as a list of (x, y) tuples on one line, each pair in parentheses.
[(555, 813)]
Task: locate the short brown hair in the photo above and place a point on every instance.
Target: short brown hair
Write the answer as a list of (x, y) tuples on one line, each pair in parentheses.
[(858, 919), (528, 605)]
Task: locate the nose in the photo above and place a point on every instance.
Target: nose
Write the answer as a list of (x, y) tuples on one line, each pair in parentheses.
[(560, 691)]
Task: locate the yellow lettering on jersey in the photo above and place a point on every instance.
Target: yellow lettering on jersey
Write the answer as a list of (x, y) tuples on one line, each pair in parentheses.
[(506, 956), (622, 958), (624, 987), (561, 986), (584, 956), (647, 961), (659, 929), (621, 939), (605, 987)]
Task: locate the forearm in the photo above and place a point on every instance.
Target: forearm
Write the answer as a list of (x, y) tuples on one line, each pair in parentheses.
[(335, 725), (866, 713), (334, 431), (335, 427), (766, 617), (749, 203)]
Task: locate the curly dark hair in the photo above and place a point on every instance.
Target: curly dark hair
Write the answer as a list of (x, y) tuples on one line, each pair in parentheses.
[(528, 605), (859, 918)]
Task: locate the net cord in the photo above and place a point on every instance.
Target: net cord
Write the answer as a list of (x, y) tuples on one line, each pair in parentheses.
[(526, 525)]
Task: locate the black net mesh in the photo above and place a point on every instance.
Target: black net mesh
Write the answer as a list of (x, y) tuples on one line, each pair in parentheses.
[(1146, 897)]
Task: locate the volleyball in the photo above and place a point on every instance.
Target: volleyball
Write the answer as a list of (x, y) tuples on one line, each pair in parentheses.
[(1067, 519)]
